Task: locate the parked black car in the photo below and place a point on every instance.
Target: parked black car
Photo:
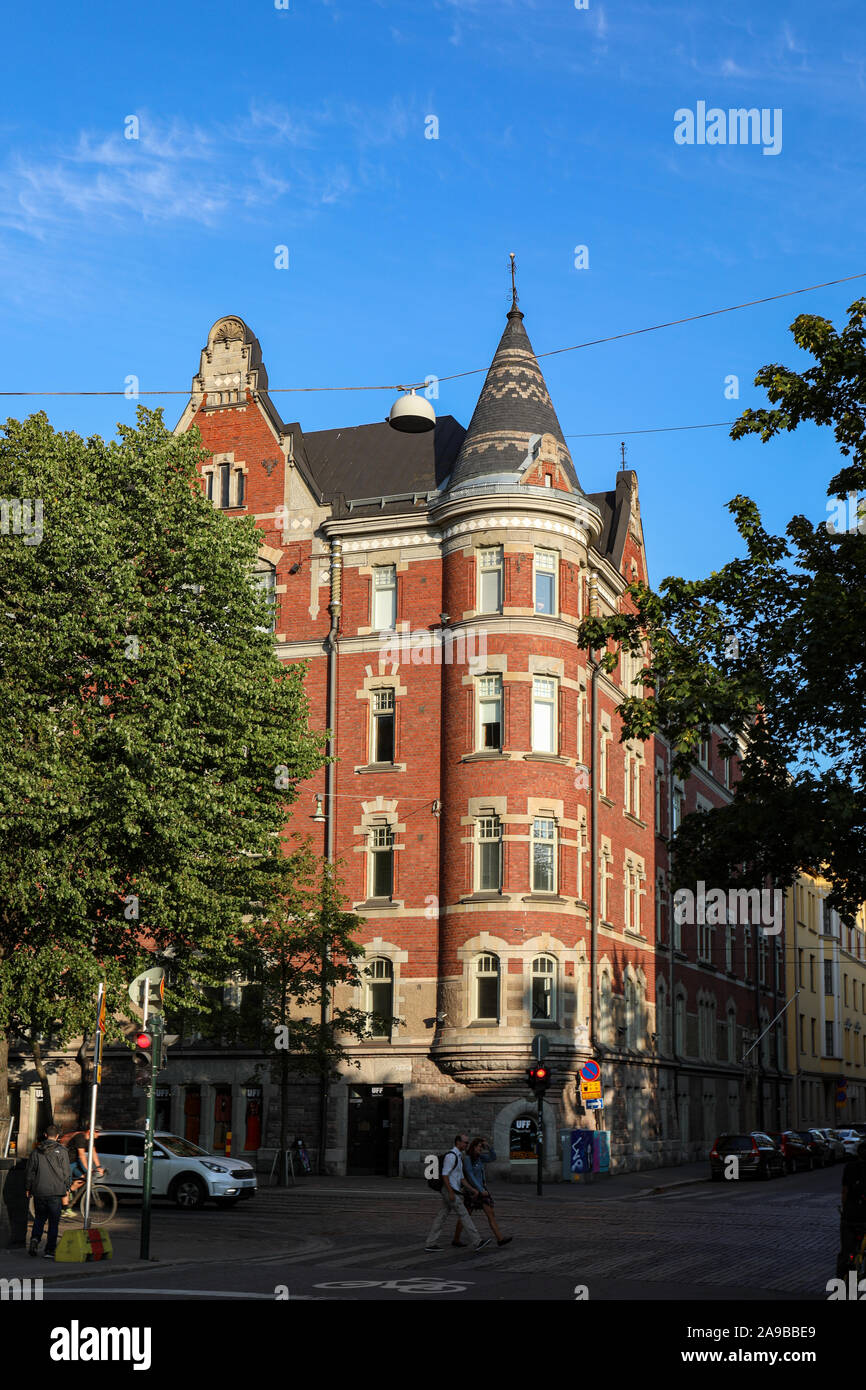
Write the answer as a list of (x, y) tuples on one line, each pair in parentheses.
[(823, 1150), (756, 1154), (794, 1151)]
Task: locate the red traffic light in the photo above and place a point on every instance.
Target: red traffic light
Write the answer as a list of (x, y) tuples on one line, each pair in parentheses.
[(143, 1040), (540, 1073)]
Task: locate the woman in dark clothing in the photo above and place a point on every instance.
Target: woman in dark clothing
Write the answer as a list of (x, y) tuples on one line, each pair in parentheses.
[(475, 1159)]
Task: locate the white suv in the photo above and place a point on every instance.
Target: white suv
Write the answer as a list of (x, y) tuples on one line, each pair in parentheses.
[(183, 1172)]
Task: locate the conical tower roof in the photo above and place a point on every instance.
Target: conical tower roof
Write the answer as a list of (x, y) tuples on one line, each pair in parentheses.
[(513, 406)]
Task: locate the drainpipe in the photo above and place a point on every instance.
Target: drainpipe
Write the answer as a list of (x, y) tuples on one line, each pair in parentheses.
[(593, 968), (335, 608)]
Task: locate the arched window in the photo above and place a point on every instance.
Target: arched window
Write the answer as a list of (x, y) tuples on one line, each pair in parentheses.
[(605, 1009), (544, 988), (380, 996), (679, 1025), (662, 1039), (487, 988), (732, 1033)]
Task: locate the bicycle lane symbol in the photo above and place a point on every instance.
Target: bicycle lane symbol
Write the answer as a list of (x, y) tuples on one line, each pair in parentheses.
[(415, 1285)]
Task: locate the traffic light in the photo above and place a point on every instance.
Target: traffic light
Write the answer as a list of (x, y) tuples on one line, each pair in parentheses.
[(142, 1062), (539, 1077)]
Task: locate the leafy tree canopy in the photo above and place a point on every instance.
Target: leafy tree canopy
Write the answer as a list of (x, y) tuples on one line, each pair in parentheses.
[(773, 648)]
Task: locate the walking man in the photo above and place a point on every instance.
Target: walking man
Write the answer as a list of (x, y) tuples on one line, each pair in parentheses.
[(47, 1180), (451, 1194)]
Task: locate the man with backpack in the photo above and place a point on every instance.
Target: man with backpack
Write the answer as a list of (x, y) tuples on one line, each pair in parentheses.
[(450, 1185), (47, 1180), (853, 1223)]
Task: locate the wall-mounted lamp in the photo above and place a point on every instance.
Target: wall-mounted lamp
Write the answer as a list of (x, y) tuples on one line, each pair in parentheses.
[(319, 814), (293, 569), (440, 1018), (444, 619)]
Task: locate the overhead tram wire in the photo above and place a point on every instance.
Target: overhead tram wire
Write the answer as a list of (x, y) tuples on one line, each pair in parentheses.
[(476, 371)]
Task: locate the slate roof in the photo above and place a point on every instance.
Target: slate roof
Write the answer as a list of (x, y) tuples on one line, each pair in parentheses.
[(376, 461), (514, 404)]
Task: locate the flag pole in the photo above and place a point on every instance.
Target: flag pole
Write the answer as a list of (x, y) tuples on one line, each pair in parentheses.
[(97, 1077)]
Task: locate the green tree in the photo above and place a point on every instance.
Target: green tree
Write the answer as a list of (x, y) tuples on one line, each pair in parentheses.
[(772, 647), (151, 739)]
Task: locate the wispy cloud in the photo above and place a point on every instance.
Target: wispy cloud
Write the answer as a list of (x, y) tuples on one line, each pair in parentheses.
[(175, 172)]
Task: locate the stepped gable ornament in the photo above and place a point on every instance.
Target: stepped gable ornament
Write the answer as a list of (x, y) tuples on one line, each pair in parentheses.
[(231, 364), (228, 330)]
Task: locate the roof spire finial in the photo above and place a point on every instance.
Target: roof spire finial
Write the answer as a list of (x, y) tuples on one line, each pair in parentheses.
[(622, 447), (513, 283)]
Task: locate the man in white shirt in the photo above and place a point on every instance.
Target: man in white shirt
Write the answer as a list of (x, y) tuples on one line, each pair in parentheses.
[(451, 1192)]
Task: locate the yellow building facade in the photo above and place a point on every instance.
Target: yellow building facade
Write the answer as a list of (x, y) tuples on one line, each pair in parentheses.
[(826, 1032)]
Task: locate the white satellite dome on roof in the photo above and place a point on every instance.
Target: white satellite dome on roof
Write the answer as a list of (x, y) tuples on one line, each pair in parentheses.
[(412, 414)]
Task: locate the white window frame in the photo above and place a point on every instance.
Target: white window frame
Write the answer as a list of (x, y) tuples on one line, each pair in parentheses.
[(549, 976), (384, 592), (380, 841), (383, 704), (488, 830), (264, 578), (491, 560), (369, 984), (546, 562), (539, 836), (545, 709), (487, 689), (482, 970)]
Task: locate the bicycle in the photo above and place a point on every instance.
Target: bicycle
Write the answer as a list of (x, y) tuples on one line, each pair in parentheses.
[(103, 1204)]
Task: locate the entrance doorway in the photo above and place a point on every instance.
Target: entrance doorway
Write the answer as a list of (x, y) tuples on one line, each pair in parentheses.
[(375, 1131)]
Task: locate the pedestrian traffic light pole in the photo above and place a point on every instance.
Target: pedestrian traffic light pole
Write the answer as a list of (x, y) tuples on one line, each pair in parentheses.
[(538, 1077), (156, 1028), (539, 1148)]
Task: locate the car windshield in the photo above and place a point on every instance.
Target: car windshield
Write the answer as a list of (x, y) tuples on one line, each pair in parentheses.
[(181, 1148)]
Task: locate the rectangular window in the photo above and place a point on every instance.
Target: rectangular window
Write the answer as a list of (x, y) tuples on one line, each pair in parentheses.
[(812, 973), (661, 906), (679, 808), (487, 988), (545, 581), (489, 874), (814, 1037), (490, 712), (225, 484), (604, 757), (382, 855), (383, 726), (209, 475), (384, 597), (490, 580), (829, 1041), (704, 753), (543, 715), (543, 855), (240, 487)]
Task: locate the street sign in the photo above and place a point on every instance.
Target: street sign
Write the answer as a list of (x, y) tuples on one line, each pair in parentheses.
[(154, 979), (590, 1071), (540, 1047), (590, 1090), (595, 1104)]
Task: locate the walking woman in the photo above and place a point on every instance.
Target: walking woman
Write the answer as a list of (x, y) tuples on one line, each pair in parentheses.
[(477, 1156)]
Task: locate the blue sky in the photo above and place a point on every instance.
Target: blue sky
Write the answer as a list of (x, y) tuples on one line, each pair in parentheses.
[(305, 127)]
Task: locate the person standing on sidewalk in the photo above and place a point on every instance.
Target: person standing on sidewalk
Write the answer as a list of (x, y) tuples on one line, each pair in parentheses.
[(451, 1194), (47, 1180)]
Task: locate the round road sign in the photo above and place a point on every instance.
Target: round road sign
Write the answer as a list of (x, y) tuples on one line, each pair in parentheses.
[(590, 1071)]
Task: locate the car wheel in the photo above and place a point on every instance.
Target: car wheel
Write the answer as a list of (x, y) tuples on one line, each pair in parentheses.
[(188, 1192)]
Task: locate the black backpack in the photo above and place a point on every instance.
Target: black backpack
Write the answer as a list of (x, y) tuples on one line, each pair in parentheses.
[(436, 1183)]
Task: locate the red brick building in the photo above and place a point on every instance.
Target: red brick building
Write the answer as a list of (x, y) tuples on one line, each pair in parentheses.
[(503, 847), (506, 863)]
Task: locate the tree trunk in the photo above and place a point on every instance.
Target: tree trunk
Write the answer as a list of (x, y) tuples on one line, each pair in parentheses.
[(39, 1064)]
